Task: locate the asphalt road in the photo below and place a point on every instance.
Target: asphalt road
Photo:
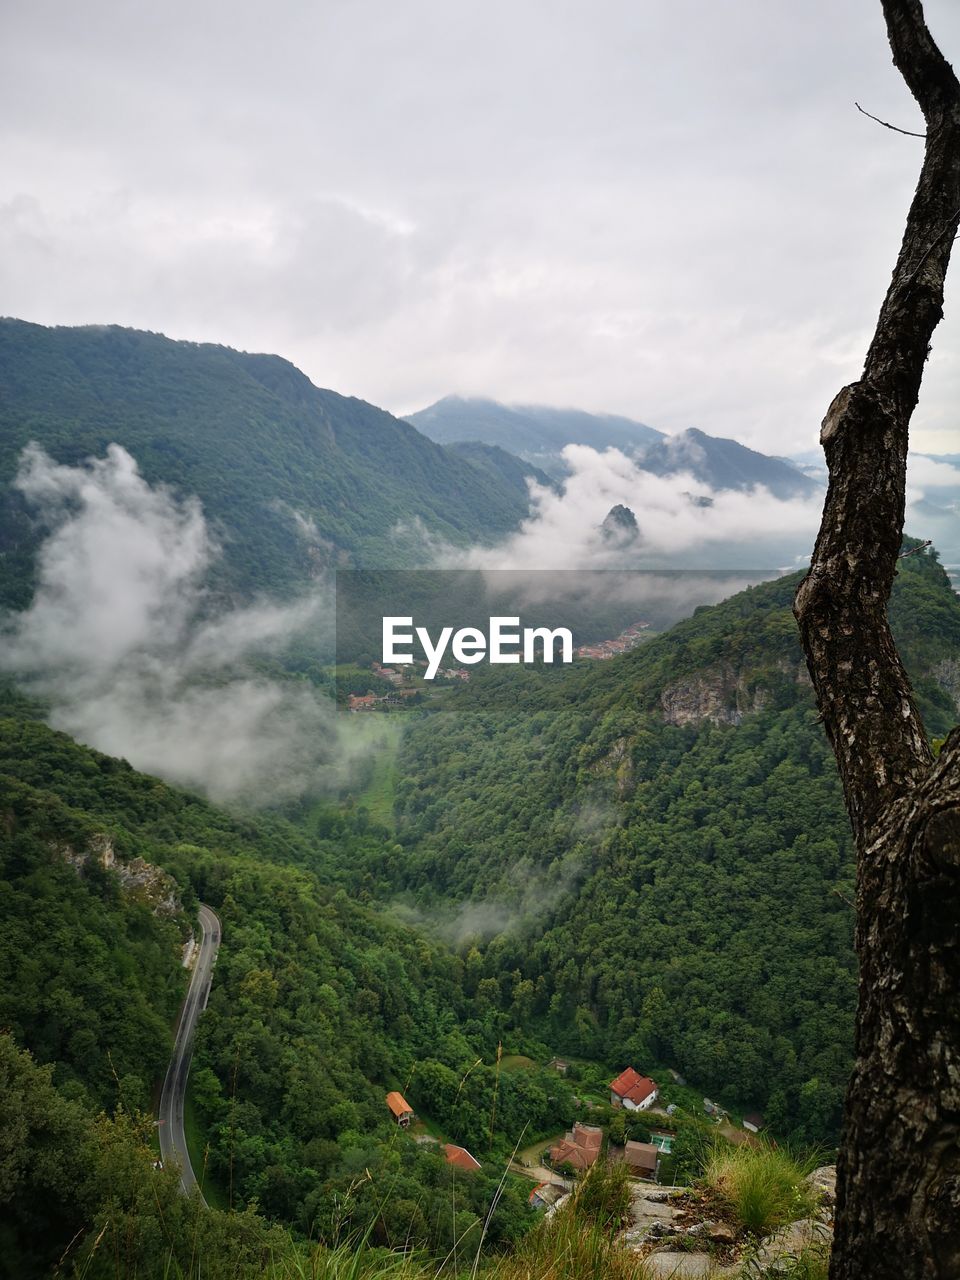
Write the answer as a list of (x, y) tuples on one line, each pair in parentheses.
[(173, 1142)]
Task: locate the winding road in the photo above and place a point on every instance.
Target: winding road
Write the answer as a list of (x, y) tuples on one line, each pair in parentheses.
[(173, 1141)]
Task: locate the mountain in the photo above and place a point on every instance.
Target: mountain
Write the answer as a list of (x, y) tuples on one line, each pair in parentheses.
[(536, 433), (539, 433), (291, 475), (620, 525), (506, 469), (656, 846), (644, 860), (725, 464)]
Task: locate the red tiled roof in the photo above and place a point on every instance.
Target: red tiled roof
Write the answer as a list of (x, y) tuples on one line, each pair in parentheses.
[(569, 1153), (632, 1087), (460, 1157), (398, 1104), (588, 1136), (579, 1148)]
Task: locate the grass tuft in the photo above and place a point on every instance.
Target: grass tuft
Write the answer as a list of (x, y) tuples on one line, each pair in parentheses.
[(766, 1187)]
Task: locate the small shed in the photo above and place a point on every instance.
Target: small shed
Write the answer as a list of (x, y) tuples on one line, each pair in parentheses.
[(641, 1159), (546, 1194), (400, 1109)]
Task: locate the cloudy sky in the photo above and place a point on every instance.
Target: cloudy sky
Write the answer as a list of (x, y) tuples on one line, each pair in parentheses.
[(666, 209)]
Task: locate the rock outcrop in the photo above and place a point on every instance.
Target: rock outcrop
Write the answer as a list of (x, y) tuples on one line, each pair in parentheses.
[(724, 695), (947, 676), (141, 881), (620, 526), (683, 1232), (720, 696)]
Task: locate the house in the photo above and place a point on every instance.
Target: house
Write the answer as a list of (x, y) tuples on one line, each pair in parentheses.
[(400, 1109), (460, 1157), (546, 1194), (641, 1159), (753, 1121), (579, 1148), (633, 1091), (362, 701), (559, 1065)]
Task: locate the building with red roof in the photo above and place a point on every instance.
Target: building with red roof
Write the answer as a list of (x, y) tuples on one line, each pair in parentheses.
[(633, 1091), (400, 1109), (579, 1148), (460, 1157)]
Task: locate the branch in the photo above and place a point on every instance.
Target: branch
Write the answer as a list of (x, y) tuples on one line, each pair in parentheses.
[(895, 128), (863, 692)]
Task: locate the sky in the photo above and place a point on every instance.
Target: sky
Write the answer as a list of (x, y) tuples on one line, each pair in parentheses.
[(671, 211)]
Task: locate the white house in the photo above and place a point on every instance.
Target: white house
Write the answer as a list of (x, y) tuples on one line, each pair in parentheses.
[(633, 1091)]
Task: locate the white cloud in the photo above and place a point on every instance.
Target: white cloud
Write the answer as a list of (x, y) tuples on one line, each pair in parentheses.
[(680, 521), (122, 641), (927, 477)]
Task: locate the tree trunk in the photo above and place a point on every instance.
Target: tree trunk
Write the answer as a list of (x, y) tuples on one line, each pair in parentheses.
[(898, 1188)]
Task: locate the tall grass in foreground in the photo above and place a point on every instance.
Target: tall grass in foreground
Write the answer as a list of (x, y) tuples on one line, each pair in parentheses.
[(577, 1241), (352, 1261), (765, 1187)]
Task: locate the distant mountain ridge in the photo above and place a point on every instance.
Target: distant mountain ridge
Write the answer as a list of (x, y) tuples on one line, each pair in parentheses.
[(725, 464), (538, 433), (292, 477)]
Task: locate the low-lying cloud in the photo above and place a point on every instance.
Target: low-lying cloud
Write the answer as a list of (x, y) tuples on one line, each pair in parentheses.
[(680, 521), (525, 895), (123, 641)]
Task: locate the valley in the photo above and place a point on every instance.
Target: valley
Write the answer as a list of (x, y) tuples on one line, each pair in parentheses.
[(557, 862), (431, 878)]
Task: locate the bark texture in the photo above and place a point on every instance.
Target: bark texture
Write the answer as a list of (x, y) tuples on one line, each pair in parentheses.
[(898, 1194)]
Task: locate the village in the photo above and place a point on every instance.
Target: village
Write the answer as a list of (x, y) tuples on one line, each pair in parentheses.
[(628, 639), (408, 683), (555, 1165)]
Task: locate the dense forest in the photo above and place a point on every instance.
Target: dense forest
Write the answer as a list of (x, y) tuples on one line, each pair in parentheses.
[(666, 837), (635, 862), (319, 1006)]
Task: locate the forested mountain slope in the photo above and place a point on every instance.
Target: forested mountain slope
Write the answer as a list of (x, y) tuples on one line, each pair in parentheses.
[(659, 846), (292, 476), (319, 1006)]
